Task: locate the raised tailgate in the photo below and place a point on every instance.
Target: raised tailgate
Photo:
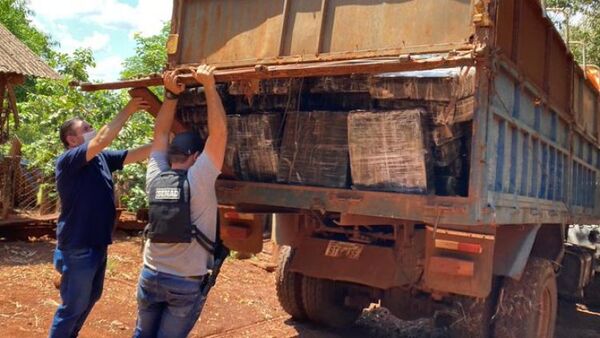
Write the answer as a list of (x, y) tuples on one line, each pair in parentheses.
[(234, 33)]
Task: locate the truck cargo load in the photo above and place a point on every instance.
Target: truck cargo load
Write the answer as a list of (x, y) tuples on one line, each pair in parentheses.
[(505, 156)]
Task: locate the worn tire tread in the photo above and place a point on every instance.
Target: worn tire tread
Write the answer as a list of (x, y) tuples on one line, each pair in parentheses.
[(516, 316), (289, 286), (322, 305)]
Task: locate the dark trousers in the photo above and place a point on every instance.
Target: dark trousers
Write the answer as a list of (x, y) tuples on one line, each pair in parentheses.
[(168, 305), (81, 286)]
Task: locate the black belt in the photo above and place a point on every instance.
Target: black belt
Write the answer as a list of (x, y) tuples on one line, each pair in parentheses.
[(198, 278)]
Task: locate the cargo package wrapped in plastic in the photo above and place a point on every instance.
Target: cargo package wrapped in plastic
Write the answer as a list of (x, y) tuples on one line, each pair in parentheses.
[(429, 85), (256, 140), (355, 83), (264, 87), (389, 151), (440, 113), (314, 149)]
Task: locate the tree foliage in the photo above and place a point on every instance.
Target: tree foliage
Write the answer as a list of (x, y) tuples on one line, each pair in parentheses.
[(14, 16), (150, 55), (45, 104), (584, 26)]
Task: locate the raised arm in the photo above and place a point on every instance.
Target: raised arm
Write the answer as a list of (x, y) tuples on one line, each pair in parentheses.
[(110, 131), (217, 122), (138, 154), (164, 119)]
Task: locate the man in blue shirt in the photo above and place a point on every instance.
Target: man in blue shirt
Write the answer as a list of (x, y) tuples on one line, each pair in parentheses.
[(84, 229)]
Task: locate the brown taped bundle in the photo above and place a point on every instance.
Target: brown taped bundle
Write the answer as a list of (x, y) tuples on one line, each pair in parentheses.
[(434, 85), (356, 83), (257, 138), (389, 151), (314, 149)]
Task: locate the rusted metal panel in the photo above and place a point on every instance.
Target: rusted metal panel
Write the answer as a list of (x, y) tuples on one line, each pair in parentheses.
[(590, 98), (395, 267), (578, 96), (532, 41), (229, 30), (326, 68), (505, 24), (418, 208), (559, 77), (233, 33)]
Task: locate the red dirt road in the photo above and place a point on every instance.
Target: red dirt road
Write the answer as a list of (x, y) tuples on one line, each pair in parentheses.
[(243, 304)]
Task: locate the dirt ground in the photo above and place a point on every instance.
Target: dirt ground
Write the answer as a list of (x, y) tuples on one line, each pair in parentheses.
[(243, 304)]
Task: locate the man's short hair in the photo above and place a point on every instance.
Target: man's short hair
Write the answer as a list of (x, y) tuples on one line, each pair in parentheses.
[(66, 129)]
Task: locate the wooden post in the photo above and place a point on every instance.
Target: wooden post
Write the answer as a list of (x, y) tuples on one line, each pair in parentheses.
[(12, 104), (8, 197), (3, 81)]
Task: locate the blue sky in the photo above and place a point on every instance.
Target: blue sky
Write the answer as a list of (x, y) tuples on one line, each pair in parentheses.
[(105, 26)]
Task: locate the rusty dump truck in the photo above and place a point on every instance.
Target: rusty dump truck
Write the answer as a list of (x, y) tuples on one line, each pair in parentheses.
[(428, 154)]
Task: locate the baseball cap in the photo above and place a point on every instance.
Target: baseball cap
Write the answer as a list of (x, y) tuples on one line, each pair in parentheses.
[(186, 143)]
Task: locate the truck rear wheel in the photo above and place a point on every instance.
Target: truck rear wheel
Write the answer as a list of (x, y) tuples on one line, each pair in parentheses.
[(324, 303), (527, 308), (289, 285)]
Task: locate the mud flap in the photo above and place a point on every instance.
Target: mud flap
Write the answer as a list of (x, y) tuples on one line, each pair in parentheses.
[(242, 232), (459, 262)]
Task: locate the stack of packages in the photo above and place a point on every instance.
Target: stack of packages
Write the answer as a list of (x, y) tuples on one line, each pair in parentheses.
[(252, 141), (447, 95), (389, 151), (314, 149), (338, 93), (265, 95), (192, 112), (255, 141), (254, 138)]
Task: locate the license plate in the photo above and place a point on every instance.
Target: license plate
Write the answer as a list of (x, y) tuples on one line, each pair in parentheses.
[(344, 250)]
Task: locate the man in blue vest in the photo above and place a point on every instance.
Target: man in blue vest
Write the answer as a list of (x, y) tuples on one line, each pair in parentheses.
[(84, 229), (180, 181)]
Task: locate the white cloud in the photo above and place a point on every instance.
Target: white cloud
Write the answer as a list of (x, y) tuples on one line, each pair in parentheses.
[(146, 17), (64, 9), (68, 43), (97, 24), (96, 41), (107, 69)]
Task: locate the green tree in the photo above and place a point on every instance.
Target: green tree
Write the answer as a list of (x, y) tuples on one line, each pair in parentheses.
[(584, 26), (54, 101), (14, 15), (150, 55), (45, 104), (51, 102)]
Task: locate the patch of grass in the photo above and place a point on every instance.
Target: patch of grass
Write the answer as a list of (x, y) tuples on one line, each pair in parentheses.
[(111, 266)]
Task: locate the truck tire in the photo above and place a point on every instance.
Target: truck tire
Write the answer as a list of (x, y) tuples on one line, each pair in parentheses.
[(289, 285), (324, 303), (527, 308)]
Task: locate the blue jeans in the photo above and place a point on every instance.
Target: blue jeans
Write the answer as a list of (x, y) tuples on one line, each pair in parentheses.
[(81, 286), (168, 305)]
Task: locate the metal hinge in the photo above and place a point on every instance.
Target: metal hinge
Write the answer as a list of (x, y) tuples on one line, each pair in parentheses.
[(172, 43)]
